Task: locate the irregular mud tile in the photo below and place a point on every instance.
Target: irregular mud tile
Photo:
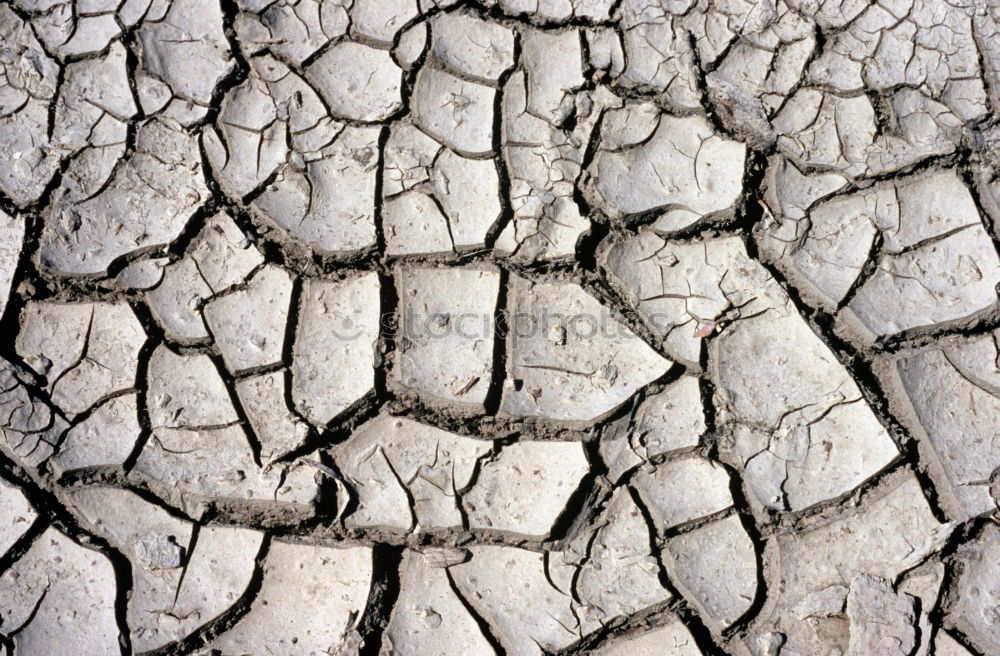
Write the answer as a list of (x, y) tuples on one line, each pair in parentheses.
[(939, 264), (358, 82), (666, 490), (823, 130), (658, 53), (299, 29), (973, 605), (544, 162), (428, 617), (28, 83), (882, 620), (467, 191), (60, 594), (11, 242), (30, 428), (333, 358), (471, 46), (815, 454), (183, 44), (148, 201), (684, 291), (885, 536), (249, 324), (394, 462), (176, 303), (457, 113), (328, 200), (86, 351), (617, 575), (263, 399), (672, 639), (248, 142), (105, 437), (224, 255), (72, 35), (924, 585), (510, 590), (945, 645), (552, 64), (663, 422), (180, 581), (412, 45), (16, 516), (828, 440), (414, 224), (525, 488), (140, 275), (681, 169), (446, 350), (931, 387), (94, 91), (187, 392), (717, 566), (381, 20), (568, 358), (192, 468), (310, 602)]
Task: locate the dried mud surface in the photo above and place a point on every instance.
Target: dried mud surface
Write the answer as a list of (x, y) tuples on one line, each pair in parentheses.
[(448, 327)]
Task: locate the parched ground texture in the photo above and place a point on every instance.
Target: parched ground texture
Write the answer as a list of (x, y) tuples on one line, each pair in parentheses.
[(470, 327)]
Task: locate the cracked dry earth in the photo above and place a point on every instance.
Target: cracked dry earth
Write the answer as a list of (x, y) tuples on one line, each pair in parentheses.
[(447, 328)]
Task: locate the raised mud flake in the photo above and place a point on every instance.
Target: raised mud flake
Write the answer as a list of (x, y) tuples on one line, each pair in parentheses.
[(148, 201), (11, 242), (181, 579), (974, 603), (445, 349), (680, 169), (931, 385), (86, 351), (716, 565), (249, 324), (665, 421), (310, 602), (58, 594), (525, 487), (457, 113), (889, 534), (407, 475), (198, 450), (665, 490), (277, 427), (510, 589), (672, 639), (327, 201), (30, 427), (338, 324), (16, 517), (435, 200), (186, 47), (106, 436), (882, 620), (472, 46), (358, 81), (429, 617), (28, 83), (772, 374), (299, 29), (567, 357), (617, 574)]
